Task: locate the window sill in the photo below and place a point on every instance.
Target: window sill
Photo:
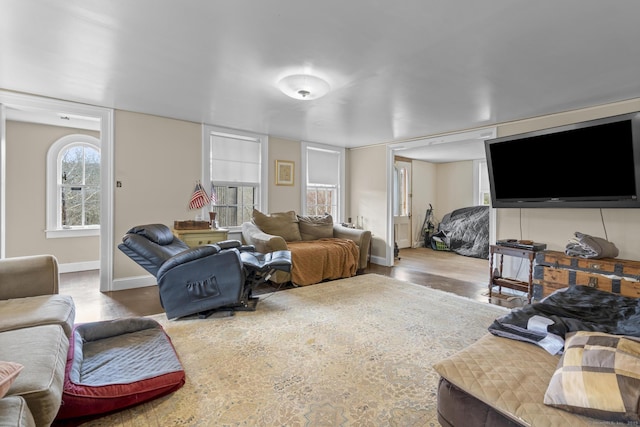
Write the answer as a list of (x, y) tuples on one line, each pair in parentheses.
[(72, 232)]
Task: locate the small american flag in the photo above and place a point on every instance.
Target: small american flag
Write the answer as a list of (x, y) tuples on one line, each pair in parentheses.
[(214, 197), (199, 197)]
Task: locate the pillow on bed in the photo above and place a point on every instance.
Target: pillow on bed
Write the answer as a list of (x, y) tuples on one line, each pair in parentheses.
[(315, 227), (598, 376), (8, 373), (283, 224)]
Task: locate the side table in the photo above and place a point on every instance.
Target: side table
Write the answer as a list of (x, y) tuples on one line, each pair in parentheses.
[(505, 282), (207, 236)]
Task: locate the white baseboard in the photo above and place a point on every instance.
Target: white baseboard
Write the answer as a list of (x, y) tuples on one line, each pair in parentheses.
[(133, 283), (71, 267), (378, 260)]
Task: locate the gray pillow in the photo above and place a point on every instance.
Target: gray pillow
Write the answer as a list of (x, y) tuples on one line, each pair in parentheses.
[(315, 227)]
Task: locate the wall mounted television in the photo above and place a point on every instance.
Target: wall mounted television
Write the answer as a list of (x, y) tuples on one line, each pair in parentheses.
[(593, 164)]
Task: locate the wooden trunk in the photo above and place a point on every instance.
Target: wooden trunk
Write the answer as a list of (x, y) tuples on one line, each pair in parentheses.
[(555, 270)]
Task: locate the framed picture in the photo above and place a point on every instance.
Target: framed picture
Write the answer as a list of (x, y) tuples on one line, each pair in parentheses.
[(284, 172)]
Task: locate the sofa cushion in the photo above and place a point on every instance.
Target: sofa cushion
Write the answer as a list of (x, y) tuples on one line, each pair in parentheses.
[(284, 224), (42, 350), (314, 227), (14, 412), (8, 373), (40, 310), (598, 376)]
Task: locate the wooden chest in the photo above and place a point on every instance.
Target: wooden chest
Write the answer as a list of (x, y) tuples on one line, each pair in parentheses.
[(554, 270)]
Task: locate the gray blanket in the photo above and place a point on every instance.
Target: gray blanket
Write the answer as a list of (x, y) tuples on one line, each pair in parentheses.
[(467, 231), (586, 246)]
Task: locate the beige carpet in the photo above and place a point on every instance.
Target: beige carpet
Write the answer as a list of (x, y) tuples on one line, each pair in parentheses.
[(356, 352)]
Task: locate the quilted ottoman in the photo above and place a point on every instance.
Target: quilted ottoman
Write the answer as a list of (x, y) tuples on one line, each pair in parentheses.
[(115, 364)]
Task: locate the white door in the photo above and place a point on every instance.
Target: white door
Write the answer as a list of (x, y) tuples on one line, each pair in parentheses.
[(402, 203)]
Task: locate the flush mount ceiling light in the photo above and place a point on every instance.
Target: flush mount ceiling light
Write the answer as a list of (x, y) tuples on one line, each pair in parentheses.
[(303, 86)]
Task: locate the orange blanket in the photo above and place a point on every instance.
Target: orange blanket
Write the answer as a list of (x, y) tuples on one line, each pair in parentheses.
[(316, 260)]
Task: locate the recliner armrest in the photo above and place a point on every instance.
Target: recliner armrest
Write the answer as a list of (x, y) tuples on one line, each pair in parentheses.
[(187, 256), (228, 244)]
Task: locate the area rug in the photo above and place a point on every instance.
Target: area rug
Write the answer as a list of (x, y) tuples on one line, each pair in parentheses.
[(351, 352)]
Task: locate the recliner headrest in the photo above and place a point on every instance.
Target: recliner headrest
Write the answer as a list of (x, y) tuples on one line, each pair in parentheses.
[(158, 233)]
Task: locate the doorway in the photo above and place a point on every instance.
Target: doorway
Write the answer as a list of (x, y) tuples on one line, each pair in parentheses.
[(402, 203), (457, 147), (36, 109)]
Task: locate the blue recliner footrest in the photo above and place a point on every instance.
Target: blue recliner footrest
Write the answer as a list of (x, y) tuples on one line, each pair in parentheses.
[(262, 263)]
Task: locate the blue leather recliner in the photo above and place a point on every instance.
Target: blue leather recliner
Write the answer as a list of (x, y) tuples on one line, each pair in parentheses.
[(203, 279)]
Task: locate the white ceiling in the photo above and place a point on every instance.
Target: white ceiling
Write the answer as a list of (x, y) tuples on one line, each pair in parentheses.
[(397, 70)]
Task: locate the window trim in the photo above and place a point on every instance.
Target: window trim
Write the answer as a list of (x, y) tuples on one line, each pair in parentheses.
[(478, 166), (303, 174), (53, 231), (263, 185)]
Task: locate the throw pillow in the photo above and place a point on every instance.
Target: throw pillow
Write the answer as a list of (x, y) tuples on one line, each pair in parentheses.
[(8, 373), (598, 376), (315, 226), (283, 224)]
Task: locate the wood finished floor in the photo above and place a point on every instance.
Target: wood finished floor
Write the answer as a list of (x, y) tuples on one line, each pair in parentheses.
[(446, 271)]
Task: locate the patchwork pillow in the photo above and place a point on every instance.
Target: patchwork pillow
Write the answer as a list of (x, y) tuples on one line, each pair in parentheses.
[(8, 373), (598, 376), (315, 227), (283, 224)]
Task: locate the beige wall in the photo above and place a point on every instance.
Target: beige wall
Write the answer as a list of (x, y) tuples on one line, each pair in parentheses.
[(284, 197), (455, 187), (26, 150), (367, 194), (158, 162), (424, 187)]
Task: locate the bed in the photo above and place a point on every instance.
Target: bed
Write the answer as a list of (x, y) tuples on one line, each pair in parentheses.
[(515, 375)]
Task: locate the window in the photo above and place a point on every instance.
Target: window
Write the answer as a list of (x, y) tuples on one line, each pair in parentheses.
[(401, 195), (233, 165), (73, 186), (481, 183), (323, 168)]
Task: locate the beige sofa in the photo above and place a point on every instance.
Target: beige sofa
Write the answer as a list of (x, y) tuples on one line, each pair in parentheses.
[(320, 249), (35, 326)]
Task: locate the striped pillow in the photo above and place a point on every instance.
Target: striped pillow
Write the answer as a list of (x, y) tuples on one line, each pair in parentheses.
[(598, 376)]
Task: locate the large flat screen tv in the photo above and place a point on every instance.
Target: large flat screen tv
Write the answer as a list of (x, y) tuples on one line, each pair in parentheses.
[(594, 164)]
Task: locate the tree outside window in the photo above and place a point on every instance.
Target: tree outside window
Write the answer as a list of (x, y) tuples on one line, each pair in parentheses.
[(73, 187), (79, 186)]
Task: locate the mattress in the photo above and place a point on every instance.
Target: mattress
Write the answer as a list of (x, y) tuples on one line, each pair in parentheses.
[(508, 376)]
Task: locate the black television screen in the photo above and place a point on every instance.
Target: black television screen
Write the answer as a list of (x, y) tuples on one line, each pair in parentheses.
[(589, 164)]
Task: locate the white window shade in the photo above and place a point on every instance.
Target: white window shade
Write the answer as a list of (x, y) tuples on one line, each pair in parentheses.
[(323, 167), (235, 160)]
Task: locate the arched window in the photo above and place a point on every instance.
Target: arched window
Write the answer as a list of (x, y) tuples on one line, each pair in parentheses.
[(73, 187)]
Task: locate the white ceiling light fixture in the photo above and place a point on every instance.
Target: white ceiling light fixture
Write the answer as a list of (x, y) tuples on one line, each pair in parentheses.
[(303, 86)]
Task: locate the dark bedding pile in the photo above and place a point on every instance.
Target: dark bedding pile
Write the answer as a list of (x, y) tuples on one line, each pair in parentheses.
[(577, 308), (467, 231)]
